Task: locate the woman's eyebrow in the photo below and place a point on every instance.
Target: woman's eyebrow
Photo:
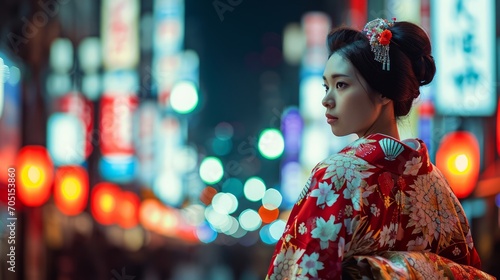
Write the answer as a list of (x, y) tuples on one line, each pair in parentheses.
[(333, 76)]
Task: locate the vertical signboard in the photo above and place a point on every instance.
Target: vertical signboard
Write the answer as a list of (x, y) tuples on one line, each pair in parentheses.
[(169, 26), (120, 33), (167, 45), (463, 36), (76, 104), (146, 130), (116, 124)]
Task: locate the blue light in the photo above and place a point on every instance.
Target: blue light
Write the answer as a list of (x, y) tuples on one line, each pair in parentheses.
[(205, 233), (292, 125), (265, 235), (118, 169)]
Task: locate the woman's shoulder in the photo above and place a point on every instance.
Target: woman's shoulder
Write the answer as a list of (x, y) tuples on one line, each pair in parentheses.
[(390, 154), (342, 160), (343, 167), (354, 155)]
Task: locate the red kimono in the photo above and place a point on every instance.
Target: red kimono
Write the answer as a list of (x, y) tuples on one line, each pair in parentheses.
[(376, 196)]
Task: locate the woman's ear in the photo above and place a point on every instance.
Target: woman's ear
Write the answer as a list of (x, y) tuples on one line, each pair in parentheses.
[(383, 99)]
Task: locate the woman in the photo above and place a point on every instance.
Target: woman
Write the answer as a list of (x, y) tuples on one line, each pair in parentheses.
[(379, 208)]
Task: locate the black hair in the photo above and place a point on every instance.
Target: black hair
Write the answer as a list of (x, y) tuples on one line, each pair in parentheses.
[(412, 64)]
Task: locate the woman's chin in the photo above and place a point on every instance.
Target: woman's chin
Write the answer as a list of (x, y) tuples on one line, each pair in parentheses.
[(339, 133)]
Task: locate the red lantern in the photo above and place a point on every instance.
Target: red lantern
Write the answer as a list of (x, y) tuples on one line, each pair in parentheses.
[(36, 175), (458, 160), (71, 189), (104, 200), (128, 210)]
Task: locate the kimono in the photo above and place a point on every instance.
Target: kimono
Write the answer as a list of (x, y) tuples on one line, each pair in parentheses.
[(378, 208)]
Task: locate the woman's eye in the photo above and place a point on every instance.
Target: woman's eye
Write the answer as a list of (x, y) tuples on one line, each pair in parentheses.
[(340, 84), (326, 87)]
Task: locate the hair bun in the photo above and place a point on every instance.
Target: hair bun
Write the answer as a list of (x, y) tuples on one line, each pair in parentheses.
[(424, 69), (414, 42)]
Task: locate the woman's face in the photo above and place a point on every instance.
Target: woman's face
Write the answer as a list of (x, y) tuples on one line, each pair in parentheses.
[(351, 106)]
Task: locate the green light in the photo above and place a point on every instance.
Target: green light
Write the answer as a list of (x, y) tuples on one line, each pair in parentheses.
[(211, 170), (271, 143), (184, 97)]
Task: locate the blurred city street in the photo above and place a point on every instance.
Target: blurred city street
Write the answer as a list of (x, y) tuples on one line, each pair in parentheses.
[(169, 139)]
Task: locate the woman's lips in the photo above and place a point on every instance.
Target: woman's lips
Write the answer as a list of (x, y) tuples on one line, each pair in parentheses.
[(330, 119)]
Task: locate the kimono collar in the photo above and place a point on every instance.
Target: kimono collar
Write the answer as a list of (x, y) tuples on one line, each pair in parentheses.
[(389, 153)]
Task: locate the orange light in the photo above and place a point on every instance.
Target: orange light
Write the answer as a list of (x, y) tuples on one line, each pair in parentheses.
[(71, 189), (128, 210), (207, 194), (458, 159), (104, 202), (458, 164), (107, 203), (150, 214), (36, 175), (268, 216), (168, 223)]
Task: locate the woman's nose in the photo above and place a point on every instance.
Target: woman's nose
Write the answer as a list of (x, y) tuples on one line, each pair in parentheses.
[(328, 101)]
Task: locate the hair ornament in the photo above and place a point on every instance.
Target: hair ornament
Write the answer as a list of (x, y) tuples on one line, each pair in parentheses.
[(378, 33)]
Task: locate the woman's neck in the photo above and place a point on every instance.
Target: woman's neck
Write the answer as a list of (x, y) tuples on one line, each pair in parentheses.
[(385, 123)]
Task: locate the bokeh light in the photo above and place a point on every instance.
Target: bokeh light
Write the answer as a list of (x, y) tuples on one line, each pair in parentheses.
[(133, 239), (168, 188), (184, 97), (205, 233), (194, 214), (265, 235), (211, 170), (225, 203), (216, 219), (168, 222), (461, 162), (268, 216), (240, 232), (250, 220), (254, 189), (207, 194), (277, 228), (233, 228), (224, 131), (272, 199), (71, 189), (150, 213), (271, 143)]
